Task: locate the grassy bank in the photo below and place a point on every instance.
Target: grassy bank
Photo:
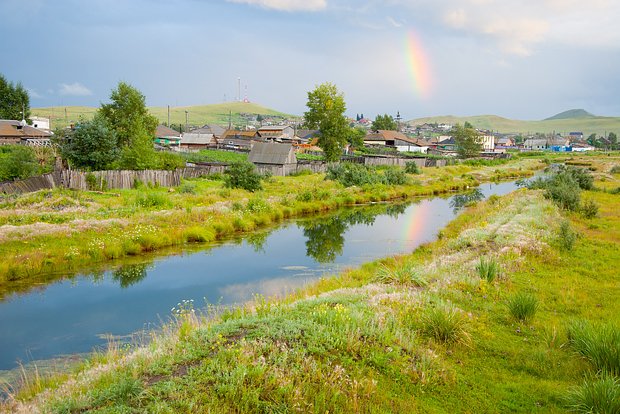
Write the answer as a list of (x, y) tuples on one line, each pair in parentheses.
[(525, 329), (48, 233)]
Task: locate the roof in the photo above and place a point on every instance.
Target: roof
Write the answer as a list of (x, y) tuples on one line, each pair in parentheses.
[(198, 139), (272, 153), (209, 129), (274, 128), (231, 133), (533, 142), (306, 133), (384, 135), (163, 131), (13, 129)]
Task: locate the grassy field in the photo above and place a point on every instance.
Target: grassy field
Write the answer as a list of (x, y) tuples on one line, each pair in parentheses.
[(49, 234), (197, 115), (598, 125), (498, 315)]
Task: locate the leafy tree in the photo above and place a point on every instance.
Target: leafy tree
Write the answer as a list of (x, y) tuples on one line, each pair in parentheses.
[(128, 116), (592, 140), (326, 109), (467, 141), (384, 122), (355, 137), (613, 139), (13, 99), (92, 144), (17, 162)]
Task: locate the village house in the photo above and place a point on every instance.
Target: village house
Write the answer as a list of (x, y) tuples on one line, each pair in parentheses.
[(277, 133), (394, 139), (535, 144), (277, 158), (167, 137), (240, 140), (18, 132)]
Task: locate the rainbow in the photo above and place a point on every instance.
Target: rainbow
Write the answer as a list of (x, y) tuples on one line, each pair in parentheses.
[(419, 65), (415, 230)]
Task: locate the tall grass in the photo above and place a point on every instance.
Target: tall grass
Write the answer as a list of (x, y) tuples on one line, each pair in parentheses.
[(596, 395), (405, 274), (488, 269), (446, 324), (599, 344), (522, 306)]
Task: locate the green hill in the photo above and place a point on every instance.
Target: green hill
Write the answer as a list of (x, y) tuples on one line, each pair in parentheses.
[(196, 115), (588, 125), (572, 114)]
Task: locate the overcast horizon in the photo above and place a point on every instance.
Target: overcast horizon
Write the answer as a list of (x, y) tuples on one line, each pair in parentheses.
[(517, 59)]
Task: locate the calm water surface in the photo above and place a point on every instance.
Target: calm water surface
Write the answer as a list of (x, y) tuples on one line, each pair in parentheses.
[(73, 316)]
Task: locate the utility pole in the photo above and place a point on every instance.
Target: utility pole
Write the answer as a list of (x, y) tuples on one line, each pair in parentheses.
[(186, 121), (168, 125), (238, 89), (398, 118)]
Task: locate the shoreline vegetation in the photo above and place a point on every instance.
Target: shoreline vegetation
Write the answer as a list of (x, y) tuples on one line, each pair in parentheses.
[(51, 233), (513, 309)]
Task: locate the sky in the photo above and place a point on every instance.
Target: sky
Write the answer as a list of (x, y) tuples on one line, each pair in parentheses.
[(522, 59)]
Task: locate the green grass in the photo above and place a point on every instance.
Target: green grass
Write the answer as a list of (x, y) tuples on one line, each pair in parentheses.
[(522, 306), (216, 156), (597, 125), (197, 115), (350, 344), (488, 269)]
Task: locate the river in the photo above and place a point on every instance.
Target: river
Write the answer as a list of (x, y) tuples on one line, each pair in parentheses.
[(72, 316)]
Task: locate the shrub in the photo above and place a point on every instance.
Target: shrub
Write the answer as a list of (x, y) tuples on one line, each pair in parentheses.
[(615, 169), (589, 209), (258, 205), (150, 200), (349, 174), (597, 395), (564, 191), (445, 324), (394, 176), (567, 235), (19, 162), (243, 175), (187, 188), (522, 306), (302, 172), (598, 344), (411, 167), (488, 269)]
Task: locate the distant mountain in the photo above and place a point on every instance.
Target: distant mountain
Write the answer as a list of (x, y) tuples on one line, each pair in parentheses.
[(572, 114), (561, 123)]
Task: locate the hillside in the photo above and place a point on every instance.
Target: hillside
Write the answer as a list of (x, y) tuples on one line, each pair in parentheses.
[(586, 124), (196, 115), (572, 114)]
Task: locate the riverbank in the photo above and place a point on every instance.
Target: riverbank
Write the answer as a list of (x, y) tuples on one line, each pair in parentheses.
[(51, 234), (421, 332)]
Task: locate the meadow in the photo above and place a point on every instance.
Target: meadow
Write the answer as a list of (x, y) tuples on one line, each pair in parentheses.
[(513, 309)]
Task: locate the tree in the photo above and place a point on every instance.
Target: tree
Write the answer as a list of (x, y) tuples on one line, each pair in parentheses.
[(613, 140), (326, 108), (592, 139), (13, 100), (384, 122), (355, 137), (467, 141), (128, 116), (92, 144)]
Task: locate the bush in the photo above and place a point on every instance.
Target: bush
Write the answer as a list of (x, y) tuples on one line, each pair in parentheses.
[(445, 324), (598, 344), (349, 174), (150, 200), (395, 176), (522, 306), (187, 188), (411, 167), (589, 209), (564, 191), (597, 395), (243, 175), (488, 269), (615, 169), (567, 235), (170, 161), (17, 162)]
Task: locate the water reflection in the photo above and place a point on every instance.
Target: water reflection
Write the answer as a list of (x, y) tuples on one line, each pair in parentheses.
[(459, 201), (325, 236), (128, 275)]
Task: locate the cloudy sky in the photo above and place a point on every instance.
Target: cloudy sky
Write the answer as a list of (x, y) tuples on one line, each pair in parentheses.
[(526, 59)]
